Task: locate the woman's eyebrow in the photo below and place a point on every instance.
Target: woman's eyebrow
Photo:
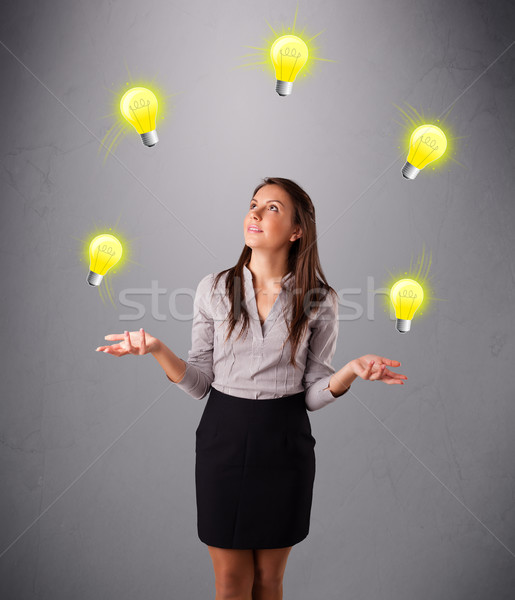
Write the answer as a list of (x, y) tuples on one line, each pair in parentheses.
[(267, 201)]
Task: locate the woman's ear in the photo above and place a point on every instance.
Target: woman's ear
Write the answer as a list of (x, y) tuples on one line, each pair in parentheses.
[(296, 235)]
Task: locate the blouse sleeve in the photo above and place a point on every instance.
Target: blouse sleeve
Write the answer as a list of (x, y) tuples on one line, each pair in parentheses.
[(321, 349), (199, 375)]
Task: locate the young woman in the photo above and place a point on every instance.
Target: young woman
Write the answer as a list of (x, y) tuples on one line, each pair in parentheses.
[(255, 460)]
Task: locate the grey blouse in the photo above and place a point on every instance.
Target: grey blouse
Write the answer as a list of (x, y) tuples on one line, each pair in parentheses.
[(256, 366)]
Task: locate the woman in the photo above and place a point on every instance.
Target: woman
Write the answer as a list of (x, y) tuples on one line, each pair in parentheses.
[(255, 461)]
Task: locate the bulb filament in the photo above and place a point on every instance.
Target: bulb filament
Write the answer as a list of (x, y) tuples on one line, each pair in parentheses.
[(137, 106)]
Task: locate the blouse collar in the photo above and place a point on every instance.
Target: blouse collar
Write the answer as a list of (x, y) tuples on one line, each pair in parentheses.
[(286, 281)]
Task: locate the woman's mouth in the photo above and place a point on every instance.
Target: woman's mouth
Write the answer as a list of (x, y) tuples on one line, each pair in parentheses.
[(254, 230)]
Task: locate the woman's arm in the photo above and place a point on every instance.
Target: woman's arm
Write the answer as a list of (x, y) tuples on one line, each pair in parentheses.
[(341, 381), (173, 366)]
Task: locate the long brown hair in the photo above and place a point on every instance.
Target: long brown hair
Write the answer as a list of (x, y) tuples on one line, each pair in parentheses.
[(309, 278)]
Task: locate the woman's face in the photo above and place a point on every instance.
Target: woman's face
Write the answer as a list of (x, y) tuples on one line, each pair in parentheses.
[(271, 211)]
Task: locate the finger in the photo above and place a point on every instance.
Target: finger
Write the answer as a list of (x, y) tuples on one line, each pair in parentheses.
[(143, 341), (367, 371), (128, 341), (390, 362), (393, 379), (115, 346), (364, 372), (396, 375), (116, 350), (369, 368), (379, 373), (106, 349), (114, 336)]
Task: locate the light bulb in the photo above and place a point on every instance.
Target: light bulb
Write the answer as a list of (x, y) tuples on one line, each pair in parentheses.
[(139, 106), (104, 252), (289, 54), (427, 143), (406, 296)]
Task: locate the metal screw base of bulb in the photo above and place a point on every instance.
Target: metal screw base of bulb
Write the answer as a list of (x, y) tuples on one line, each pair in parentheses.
[(284, 88), (94, 279), (409, 171), (150, 138), (403, 325)]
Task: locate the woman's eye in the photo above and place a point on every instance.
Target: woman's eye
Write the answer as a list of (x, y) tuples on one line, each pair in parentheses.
[(272, 205)]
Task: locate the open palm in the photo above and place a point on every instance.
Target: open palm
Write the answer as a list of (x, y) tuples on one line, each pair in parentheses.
[(134, 342), (372, 367)]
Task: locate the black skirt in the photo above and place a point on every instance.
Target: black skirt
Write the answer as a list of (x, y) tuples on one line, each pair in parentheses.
[(254, 471)]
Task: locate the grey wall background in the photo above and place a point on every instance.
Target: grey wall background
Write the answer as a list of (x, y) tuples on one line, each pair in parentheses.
[(414, 495)]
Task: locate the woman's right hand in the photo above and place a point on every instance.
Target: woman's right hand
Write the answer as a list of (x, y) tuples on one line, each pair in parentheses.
[(134, 342)]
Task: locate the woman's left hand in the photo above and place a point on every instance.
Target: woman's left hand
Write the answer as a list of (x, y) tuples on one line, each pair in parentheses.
[(374, 368)]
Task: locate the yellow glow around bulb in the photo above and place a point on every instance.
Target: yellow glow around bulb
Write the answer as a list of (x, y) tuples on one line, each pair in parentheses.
[(104, 252), (289, 54), (139, 106), (427, 143), (406, 296)]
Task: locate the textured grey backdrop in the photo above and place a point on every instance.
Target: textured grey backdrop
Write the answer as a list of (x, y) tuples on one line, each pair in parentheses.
[(414, 495)]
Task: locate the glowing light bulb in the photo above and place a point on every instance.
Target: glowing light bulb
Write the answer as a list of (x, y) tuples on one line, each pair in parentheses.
[(139, 106), (289, 54), (406, 296), (104, 252), (427, 143)]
